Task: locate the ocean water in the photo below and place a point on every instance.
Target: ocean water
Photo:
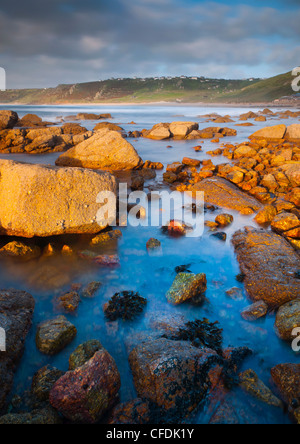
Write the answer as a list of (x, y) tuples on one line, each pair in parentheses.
[(150, 275)]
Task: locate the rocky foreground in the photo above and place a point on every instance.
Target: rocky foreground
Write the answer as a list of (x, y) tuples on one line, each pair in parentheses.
[(176, 365)]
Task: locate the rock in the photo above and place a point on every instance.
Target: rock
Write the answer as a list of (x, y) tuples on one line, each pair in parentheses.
[(186, 286), (54, 335), (153, 165), (43, 381), (172, 374), (222, 193), (285, 222), (8, 119), (69, 302), (270, 133), (159, 133), (73, 128), (106, 150), (255, 311), (294, 196), (293, 132), (153, 244), (46, 416), (83, 354), (235, 293), (244, 151), (107, 260), (134, 412), (90, 290), (223, 220), (31, 121), (266, 215), (90, 116), (259, 254), (16, 312), (103, 238), (255, 387), (220, 236), (292, 172), (87, 393), (236, 177), (260, 119), (191, 162), (29, 209), (19, 250), (109, 126), (287, 319), (137, 183), (182, 129), (126, 305), (287, 380)]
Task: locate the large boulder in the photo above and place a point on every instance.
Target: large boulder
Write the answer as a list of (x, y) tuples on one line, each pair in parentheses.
[(8, 119), (292, 172), (182, 129), (39, 200), (224, 194), (172, 374), (269, 264), (16, 312), (87, 393), (293, 132), (106, 150), (270, 133)]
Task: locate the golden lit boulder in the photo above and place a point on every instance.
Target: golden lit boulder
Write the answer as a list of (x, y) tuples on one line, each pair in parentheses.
[(106, 150), (293, 132), (270, 132), (183, 129), (39, 200), (8, 119)]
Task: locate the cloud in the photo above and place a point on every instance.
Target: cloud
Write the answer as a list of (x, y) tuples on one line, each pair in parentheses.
[(46, 43)]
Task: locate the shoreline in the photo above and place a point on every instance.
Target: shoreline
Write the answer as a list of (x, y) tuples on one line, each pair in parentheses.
[(162, 104)]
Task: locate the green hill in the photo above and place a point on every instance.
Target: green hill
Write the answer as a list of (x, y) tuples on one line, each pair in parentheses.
[(180, 89)]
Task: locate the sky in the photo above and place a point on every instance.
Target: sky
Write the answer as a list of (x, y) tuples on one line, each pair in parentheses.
[(46, 43)]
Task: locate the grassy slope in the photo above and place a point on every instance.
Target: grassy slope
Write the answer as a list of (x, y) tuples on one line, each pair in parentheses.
[(136, 91)]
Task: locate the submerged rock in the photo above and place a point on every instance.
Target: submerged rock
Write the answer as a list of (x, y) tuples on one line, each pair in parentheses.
[(255, 387), (91, 289), (153, 244), (84, 353), (19, 250), (69, 302), (287, 380), (47, 416), (287, 319), (39, 200), (255, 311), (259, 254), (87, 393), (16, 312), (54, 335), (186, 286), (106, 150), (126, 305), (172, 374)]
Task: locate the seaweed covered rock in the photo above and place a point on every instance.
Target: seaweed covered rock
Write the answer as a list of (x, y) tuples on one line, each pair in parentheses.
[(172, 374), (43, 381), (54, 335), (87, 393), (186, 286), (84, 353), (126, 305), (201, 333)]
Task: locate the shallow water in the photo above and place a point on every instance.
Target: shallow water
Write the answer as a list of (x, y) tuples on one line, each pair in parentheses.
[(150, 275)]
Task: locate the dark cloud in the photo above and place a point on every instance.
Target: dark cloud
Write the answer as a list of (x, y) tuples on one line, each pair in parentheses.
[(46, 43)]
